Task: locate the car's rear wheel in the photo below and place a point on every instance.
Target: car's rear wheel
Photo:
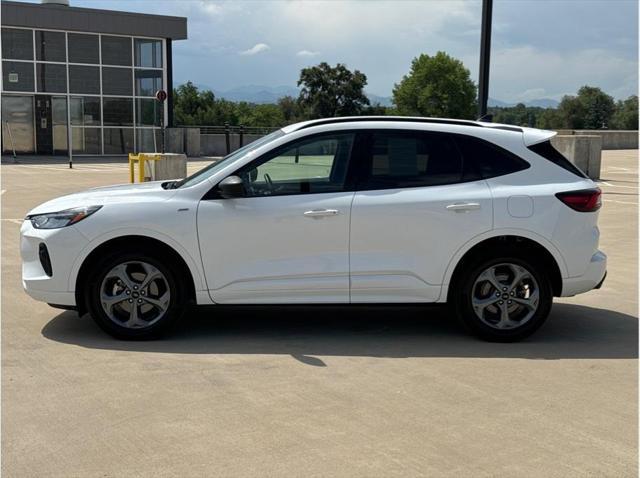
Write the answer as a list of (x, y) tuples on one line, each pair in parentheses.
[(135, 296), (503, 299)]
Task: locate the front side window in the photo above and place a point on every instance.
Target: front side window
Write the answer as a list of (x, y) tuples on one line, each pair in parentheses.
[(315, 165), (406, 159)]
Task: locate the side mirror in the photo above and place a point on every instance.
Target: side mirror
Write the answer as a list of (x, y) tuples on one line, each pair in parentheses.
[(231, 187)]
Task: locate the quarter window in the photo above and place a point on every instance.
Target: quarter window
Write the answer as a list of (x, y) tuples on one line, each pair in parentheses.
[(315, 165), (488, 159)]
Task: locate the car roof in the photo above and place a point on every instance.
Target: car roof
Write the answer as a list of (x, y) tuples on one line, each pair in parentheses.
[(531, 135)]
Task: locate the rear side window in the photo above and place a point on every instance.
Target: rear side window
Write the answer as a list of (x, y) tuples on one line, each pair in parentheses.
[(489, 160), (547, 151), (405, 159)]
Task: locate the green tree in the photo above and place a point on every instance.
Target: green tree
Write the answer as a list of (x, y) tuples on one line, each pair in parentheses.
[(591, 108), (291, 110), (626, 114), (193, 107), (331, 91), (598, 107), (549, 118), (437, 86)]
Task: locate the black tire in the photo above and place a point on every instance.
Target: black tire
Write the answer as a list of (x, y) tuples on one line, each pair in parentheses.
[(463, 290), (174, 284)]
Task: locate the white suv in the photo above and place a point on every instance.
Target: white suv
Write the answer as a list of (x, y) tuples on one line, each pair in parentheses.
[(488, 218)]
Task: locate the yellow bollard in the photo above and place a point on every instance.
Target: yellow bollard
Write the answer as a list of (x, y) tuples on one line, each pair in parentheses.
[(140, 159)]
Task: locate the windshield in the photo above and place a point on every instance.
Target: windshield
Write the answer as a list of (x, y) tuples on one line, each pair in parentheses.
[(213, 168)]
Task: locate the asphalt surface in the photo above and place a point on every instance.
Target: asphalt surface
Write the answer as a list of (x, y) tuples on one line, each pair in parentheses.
[(302, 392)]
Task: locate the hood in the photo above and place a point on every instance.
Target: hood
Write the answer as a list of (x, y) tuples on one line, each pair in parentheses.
[(121, 193)]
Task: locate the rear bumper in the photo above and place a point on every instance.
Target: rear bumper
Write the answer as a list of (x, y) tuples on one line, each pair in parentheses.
[(591, 279)]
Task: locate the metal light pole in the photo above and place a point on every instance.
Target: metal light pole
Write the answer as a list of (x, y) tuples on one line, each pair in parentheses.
[(485, 54)]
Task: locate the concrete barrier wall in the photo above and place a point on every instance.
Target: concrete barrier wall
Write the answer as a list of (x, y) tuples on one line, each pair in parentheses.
[(613, 139), (215, 144), (585, 151)]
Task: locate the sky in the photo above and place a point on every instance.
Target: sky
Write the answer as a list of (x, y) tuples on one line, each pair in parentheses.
[(540, 48)]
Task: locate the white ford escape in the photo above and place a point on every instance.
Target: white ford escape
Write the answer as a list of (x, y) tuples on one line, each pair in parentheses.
[(489, 218)]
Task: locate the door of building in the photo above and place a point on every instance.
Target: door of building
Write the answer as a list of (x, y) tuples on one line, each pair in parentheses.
[(44, 128), (17, 124)]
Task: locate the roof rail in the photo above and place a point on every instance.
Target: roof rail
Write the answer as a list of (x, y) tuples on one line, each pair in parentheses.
[(409, 119)]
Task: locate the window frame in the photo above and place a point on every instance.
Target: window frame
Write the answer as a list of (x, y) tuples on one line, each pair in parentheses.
[(349, 183)]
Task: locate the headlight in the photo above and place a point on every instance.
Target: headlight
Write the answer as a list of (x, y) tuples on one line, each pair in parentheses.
[(55, 220)]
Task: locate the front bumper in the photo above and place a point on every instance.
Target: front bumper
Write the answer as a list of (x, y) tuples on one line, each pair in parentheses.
[(63, 246), (591, 279)]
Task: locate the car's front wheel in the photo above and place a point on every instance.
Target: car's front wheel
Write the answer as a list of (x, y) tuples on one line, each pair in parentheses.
[(503, 299), (135, 295)]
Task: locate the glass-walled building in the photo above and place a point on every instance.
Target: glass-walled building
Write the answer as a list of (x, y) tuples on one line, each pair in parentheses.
[(92, 87)]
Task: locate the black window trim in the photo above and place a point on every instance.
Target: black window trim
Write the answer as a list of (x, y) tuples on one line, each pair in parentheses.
[(349, 183)]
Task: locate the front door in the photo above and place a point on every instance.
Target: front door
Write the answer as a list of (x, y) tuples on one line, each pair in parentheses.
[(416, 205), (287, 240)]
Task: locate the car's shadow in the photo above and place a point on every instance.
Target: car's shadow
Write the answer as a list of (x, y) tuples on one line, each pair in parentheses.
[(572, 332)]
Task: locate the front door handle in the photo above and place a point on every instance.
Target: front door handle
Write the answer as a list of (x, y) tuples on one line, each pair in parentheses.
[(321, 213), (463, 206)]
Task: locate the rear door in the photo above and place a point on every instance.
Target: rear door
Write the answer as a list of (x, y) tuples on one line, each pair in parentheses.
[(416, 204)]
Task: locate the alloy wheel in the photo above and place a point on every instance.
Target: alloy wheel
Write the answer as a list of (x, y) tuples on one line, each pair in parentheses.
[(135, 294), (505, 296)]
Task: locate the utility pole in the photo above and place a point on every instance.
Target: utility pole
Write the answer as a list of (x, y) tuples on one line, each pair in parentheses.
[(485, 55)]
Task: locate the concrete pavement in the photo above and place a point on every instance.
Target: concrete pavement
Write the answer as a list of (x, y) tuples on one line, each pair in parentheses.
[(358, 392)]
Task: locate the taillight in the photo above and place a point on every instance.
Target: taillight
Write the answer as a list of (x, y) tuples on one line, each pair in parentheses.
[(585, 200)]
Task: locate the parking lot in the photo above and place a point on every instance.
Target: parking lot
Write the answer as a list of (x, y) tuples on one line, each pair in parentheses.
[(295, 391)]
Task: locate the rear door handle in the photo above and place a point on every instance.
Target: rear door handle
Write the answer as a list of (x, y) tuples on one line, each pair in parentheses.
[(321, 213), (463, 206)]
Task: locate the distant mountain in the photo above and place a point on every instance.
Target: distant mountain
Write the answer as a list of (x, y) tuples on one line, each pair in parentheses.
[(381, 100), (541, 103), (261, 94)]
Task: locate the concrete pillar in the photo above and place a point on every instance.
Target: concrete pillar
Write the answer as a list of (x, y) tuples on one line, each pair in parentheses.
[(583, 151), (192, 141), (171, 166), (174, 140)]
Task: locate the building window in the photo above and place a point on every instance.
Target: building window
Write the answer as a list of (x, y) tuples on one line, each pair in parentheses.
[(118, 140), (117, 81), (17, 76), (148, 139), (86, 140), (148, 82), (116, 51), (85, 111), (117, 111), (148, 53), (84, 79), (83, 48), (51, 78), (17, 44), (51, 46), (148, 112)]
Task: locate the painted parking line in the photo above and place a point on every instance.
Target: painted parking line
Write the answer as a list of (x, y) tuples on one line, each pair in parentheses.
[(15, 221)]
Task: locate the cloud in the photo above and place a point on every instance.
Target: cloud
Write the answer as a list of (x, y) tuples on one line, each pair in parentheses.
[(307, 53), (255, 49)]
